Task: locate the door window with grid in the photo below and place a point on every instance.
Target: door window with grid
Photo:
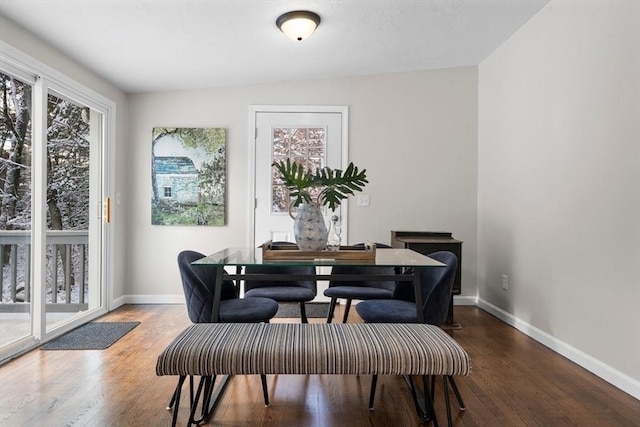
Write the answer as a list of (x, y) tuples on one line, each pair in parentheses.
[(305, 146)]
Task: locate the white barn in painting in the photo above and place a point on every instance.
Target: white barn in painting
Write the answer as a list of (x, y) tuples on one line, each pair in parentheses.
[(177, 179)]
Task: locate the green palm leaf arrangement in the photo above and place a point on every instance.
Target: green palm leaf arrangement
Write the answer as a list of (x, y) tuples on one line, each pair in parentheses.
[(335, 185)]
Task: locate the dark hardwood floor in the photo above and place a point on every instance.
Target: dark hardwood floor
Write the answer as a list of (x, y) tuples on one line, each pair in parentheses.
[(515, 382)]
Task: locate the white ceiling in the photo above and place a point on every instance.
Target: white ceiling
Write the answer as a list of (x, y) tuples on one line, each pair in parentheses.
[(157, 45)]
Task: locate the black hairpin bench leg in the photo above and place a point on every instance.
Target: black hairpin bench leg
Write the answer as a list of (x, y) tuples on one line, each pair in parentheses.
[(265, 392), (428, 400), (207, 383), (175, 400), (374, 382), (456, 392), (446, 401)]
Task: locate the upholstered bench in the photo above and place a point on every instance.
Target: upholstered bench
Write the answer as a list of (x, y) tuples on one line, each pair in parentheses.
[(210, 349)]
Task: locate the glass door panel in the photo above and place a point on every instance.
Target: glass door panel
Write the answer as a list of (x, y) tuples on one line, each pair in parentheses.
[(73, 187), (15, 209), (305, 146)]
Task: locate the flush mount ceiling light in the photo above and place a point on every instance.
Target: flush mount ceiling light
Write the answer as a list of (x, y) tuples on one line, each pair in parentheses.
[(299, 24)]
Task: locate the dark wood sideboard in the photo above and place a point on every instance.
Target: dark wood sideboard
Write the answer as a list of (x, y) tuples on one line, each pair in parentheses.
[(427, 242)]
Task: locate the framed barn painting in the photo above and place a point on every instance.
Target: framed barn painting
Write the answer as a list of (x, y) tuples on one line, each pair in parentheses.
[(188, 176)]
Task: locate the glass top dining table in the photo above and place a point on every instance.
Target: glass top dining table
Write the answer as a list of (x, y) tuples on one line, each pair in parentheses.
[(406, 260), (385, 257)]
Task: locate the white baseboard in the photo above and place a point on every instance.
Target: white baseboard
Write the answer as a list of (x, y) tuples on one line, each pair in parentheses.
[(147, 299), (179, 299), (618, 379), (464, 300)]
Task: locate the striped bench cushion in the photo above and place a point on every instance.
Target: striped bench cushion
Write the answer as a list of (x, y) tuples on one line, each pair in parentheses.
[(293, 348)]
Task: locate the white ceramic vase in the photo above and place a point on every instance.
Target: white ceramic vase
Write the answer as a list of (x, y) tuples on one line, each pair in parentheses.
[(309, 228)]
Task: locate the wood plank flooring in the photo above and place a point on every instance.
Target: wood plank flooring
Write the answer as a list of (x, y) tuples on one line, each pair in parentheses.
[(515, 382)]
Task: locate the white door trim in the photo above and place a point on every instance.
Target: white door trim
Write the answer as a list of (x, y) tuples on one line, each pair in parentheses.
[(253, 111)]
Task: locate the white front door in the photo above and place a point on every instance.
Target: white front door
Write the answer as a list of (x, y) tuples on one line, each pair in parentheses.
[(317, 135)]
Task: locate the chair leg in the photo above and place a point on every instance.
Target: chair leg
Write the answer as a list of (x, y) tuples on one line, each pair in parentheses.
[(265, 391), (346, 311), (372, 394), (303, 313), (332, 309), (456, 391)]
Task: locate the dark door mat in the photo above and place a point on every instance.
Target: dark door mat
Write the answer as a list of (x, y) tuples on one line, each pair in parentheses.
[(313, 309), (91, 336)]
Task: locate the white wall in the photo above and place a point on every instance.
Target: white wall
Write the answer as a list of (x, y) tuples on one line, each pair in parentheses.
[(415, 133), (26, 42), (559, 182)]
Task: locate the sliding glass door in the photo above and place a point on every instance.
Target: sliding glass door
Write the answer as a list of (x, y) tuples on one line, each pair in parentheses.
[(15, 208), (73, 186), (53, 215)]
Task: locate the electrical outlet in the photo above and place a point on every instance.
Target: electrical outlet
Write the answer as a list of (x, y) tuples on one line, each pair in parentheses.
[(505, 282), (363, 200)]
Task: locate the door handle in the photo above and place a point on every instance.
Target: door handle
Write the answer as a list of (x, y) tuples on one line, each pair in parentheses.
[(107, 210)]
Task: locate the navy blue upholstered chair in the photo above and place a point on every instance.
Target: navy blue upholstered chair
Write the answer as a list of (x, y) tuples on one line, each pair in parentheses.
[(198, 284), (361, 290), (437, 285), (300, 291)]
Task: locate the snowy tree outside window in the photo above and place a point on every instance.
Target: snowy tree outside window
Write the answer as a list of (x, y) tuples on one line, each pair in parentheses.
[(305, 146), (67, 192)]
